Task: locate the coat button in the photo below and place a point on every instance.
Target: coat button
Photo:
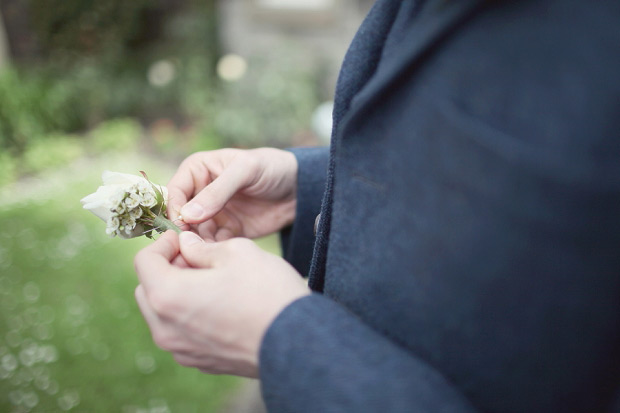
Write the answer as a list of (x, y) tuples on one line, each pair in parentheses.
[(316, 224)]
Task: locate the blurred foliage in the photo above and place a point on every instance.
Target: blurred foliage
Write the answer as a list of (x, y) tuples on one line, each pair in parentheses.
[(268, 106), (141, 75), (96, 60), (70, 28)]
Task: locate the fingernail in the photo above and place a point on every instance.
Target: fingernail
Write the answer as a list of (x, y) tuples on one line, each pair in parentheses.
[(188, 238), (192, 210)]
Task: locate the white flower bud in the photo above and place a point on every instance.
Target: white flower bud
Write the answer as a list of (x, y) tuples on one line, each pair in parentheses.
[(117, 178)]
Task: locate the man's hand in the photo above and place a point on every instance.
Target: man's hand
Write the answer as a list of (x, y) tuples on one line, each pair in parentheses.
[(210, 303), (235, 193)]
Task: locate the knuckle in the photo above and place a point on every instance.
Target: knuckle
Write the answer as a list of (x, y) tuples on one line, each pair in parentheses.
[(193, 158), (163, 340), (138, 259), (208, 193), (249, 160), (164, 302), (237, 247), (183, 360), (237, 244), (251, 165), (210, 366)]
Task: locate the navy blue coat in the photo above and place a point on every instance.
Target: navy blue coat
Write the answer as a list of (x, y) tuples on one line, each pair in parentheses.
[(468, 252)]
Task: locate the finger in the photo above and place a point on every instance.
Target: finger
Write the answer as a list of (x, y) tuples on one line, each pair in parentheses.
[(204, 363), (197, 252), (224, 234), (176, 199), (186, 360), (180, 262), (214, 196), (228, 226), (207, 230), (189, 178), (153, 262), (164, 333), (147, 311)]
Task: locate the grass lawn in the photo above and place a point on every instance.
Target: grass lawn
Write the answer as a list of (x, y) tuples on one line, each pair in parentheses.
[(71, 335)]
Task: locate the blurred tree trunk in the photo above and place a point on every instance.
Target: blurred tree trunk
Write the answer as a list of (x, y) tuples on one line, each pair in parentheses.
[(20, 38), (4, 48), (214, 30)]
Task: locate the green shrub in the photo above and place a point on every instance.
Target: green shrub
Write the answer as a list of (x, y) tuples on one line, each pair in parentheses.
[(8, 168), (51, 152), (32, 105), (116, 135)]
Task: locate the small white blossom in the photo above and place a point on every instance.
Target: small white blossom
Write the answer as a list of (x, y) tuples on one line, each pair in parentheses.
[(132, 201), (135, 213), (118, 206), (144, 187), (148, 200), (113, 223), (128, 225), (112, 226)]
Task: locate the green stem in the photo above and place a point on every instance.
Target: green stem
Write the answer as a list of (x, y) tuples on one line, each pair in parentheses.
[(162, 224)]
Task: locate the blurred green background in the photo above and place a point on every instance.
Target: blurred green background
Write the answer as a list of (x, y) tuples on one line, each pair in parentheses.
[(89, 85)]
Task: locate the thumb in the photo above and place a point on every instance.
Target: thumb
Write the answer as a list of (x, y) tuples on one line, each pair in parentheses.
[(197, 252), (214, 196)]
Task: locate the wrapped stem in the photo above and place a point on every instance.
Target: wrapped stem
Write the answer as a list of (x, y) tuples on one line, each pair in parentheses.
[(163, 224)]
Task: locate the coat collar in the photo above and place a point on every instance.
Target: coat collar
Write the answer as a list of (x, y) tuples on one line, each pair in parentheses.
[(436, 21)]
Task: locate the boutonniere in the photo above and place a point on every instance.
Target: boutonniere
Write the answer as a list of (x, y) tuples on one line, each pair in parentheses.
[(130, 205)]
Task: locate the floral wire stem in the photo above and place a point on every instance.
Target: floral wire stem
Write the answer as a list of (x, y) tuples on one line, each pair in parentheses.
[(157, 222)]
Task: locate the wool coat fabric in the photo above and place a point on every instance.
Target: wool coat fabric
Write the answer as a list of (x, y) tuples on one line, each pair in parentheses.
[(468, 252)]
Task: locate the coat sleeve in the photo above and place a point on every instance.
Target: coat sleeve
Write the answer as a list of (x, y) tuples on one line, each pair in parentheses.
[(298, 239), (319, 357)]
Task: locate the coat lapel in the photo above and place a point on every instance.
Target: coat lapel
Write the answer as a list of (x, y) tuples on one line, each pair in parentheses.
[(436, 21)]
